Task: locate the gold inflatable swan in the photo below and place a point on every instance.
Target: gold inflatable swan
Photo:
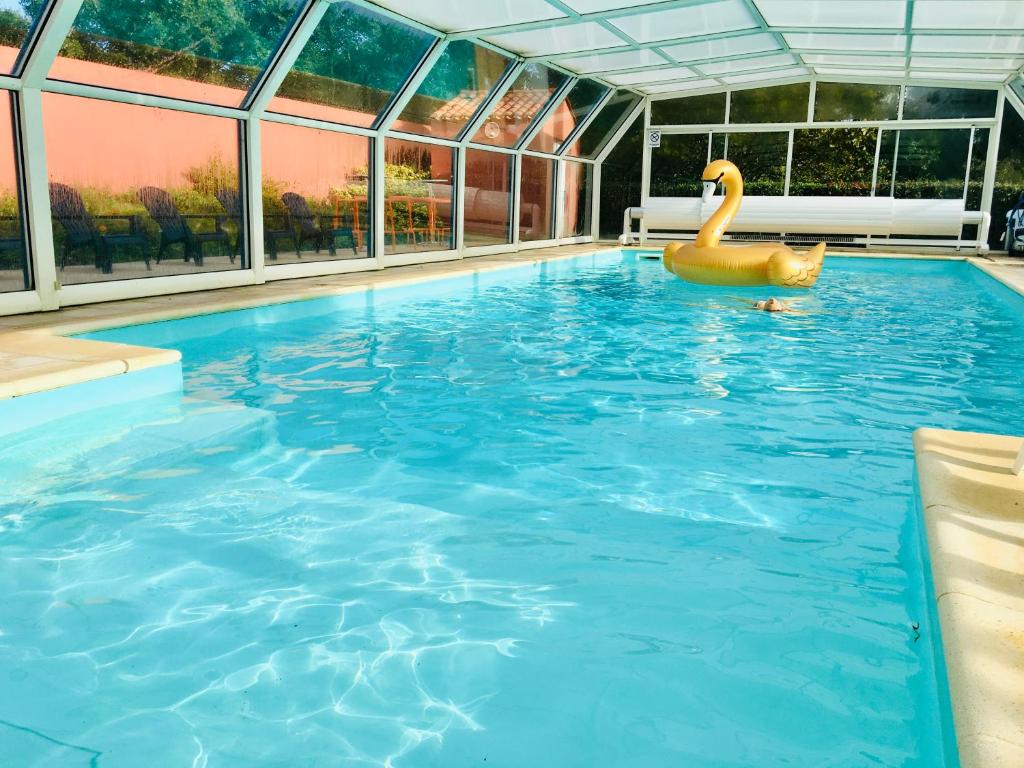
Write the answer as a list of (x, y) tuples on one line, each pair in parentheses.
[(705, 261)]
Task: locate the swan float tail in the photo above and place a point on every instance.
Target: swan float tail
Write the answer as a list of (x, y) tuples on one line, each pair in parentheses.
[(792, 270)]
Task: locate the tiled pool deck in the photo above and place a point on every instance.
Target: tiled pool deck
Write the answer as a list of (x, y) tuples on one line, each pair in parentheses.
[(973, 503)]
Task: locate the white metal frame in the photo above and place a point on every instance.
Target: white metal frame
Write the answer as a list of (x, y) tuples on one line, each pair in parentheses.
[(30, 81)]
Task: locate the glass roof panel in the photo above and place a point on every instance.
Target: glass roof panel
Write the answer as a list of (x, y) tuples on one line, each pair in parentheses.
[(209, 52), (746, 65), (977, 14), (351, 67), (453, 91), (998, 44), (776, 74), (574, 38), (577, 106), (863, 14), (604, 62), (600, 131), (688, 21), (689, 85), (462, 15), (519, 107), (652, 76), (966, 63), (926, 74), (593, 6), (866, 61), (859, 72), (729, 46), (17, 17), (836, 41)]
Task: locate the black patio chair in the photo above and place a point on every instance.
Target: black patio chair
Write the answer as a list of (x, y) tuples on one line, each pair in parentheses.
[(81, 230), (319, 230), (175, 227), (275, 225)]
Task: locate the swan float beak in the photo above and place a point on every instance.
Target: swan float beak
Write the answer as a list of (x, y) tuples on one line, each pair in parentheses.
[(709, 191)]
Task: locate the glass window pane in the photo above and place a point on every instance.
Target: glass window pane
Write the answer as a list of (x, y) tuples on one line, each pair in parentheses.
[(977, 173), (855, 101), (677, 165), (419, 196), (453, 91), (923, 102), (886, 164), (518, 108), (579, 201), (781, 104), (15, 270), (1017, 86), (603, 128), (761, 158), (620, 179), (833, 161), (351, 67), (576, 107), (16, 20), (210, 52), (315, 194), (488, 199), (536, 197), (141, 202), (691, 110), (932, 164)]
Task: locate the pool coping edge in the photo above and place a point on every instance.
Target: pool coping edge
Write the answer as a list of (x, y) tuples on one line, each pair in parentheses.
[(973, 508)]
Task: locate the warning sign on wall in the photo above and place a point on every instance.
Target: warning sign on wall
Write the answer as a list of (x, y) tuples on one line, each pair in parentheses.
[(654, 138)]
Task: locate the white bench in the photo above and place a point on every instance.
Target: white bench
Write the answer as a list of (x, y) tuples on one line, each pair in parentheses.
[(864, 216)]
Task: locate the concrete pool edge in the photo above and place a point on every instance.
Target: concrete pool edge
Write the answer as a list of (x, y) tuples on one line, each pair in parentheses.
[(32, 362), (973, 507)]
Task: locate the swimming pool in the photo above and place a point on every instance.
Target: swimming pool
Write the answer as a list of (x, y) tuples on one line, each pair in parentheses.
[(570, 514)]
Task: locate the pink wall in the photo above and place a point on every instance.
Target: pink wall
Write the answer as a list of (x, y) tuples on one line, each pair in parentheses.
[(310, 162), (121, 147)]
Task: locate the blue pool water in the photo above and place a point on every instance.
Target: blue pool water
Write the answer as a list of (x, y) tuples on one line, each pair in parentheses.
[(579, 514)]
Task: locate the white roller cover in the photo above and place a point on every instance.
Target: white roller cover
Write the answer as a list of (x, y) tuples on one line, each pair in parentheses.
[(822, 215), (929, 217)]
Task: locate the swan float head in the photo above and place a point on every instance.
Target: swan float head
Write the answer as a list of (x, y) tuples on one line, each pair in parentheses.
[(721, 171)]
